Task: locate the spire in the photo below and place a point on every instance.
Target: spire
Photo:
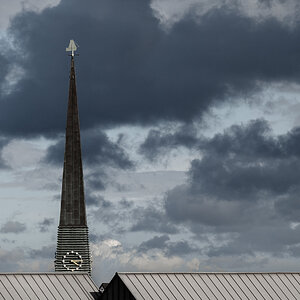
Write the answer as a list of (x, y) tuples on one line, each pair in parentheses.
[(72, 252), (72, 211)]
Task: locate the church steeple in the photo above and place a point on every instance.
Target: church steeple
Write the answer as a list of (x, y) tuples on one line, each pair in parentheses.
[(72, 212), (72, 253)]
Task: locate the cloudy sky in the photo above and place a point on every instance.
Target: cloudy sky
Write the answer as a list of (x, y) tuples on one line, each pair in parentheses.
[(190, 120)]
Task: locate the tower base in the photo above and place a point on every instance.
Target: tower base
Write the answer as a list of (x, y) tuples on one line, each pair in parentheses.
[(73, 250)]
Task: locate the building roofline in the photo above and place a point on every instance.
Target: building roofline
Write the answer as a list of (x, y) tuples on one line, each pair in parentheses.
[(242, 272), (44, 273)]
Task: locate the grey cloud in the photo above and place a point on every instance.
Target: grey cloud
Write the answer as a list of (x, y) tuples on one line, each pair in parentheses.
[(159, 142), (96, 237), (124, 203), (157, 242), (180, 248), (19, 259), (45, 224), (8, 241), (98, 153), (113, 215), (269, 3), (246, 140), (243, 162), (139, 74), (288, 205), (182, 205), (126, 216), (245, 187), (93, 237), (295, 250), (4, 63), (92, 200), (96, 149), (252, 139), (96, 181), (3, 142), (274, 237), (13, 227), (247, 161), (9, 259), (56, 197), (249, 227), (44, 252), (163, 242), (234, 179), (55, 153), (152, 220)]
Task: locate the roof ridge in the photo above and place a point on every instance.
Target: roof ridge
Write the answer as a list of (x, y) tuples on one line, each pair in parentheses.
[(44, 273), (234, 272)]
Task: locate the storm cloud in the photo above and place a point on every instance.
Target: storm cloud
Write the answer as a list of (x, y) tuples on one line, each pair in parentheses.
[(96, 149), (136, 73), (246, 185), (160, 141)]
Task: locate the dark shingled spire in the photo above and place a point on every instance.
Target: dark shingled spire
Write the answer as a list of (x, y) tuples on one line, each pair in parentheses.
[(72, 212), (72, 252)]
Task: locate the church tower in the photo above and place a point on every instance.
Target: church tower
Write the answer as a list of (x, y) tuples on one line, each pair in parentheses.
[(72, 252)]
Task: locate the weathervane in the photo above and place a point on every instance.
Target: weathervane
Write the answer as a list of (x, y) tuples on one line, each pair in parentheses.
[(72, 47)]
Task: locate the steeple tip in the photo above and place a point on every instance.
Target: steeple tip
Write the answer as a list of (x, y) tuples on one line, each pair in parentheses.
[(72, 48)]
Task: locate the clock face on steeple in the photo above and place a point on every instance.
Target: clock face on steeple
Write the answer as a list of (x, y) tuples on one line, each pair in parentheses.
[(72, 261)]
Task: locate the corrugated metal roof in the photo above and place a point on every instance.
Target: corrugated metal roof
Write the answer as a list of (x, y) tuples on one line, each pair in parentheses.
[(213, 286), (49, 286)]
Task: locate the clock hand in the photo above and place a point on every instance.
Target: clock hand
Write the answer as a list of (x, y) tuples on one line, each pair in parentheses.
[(74, 262), (78, 260)]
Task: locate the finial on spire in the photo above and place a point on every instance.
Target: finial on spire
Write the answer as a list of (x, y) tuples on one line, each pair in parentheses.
[(72, 47)]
